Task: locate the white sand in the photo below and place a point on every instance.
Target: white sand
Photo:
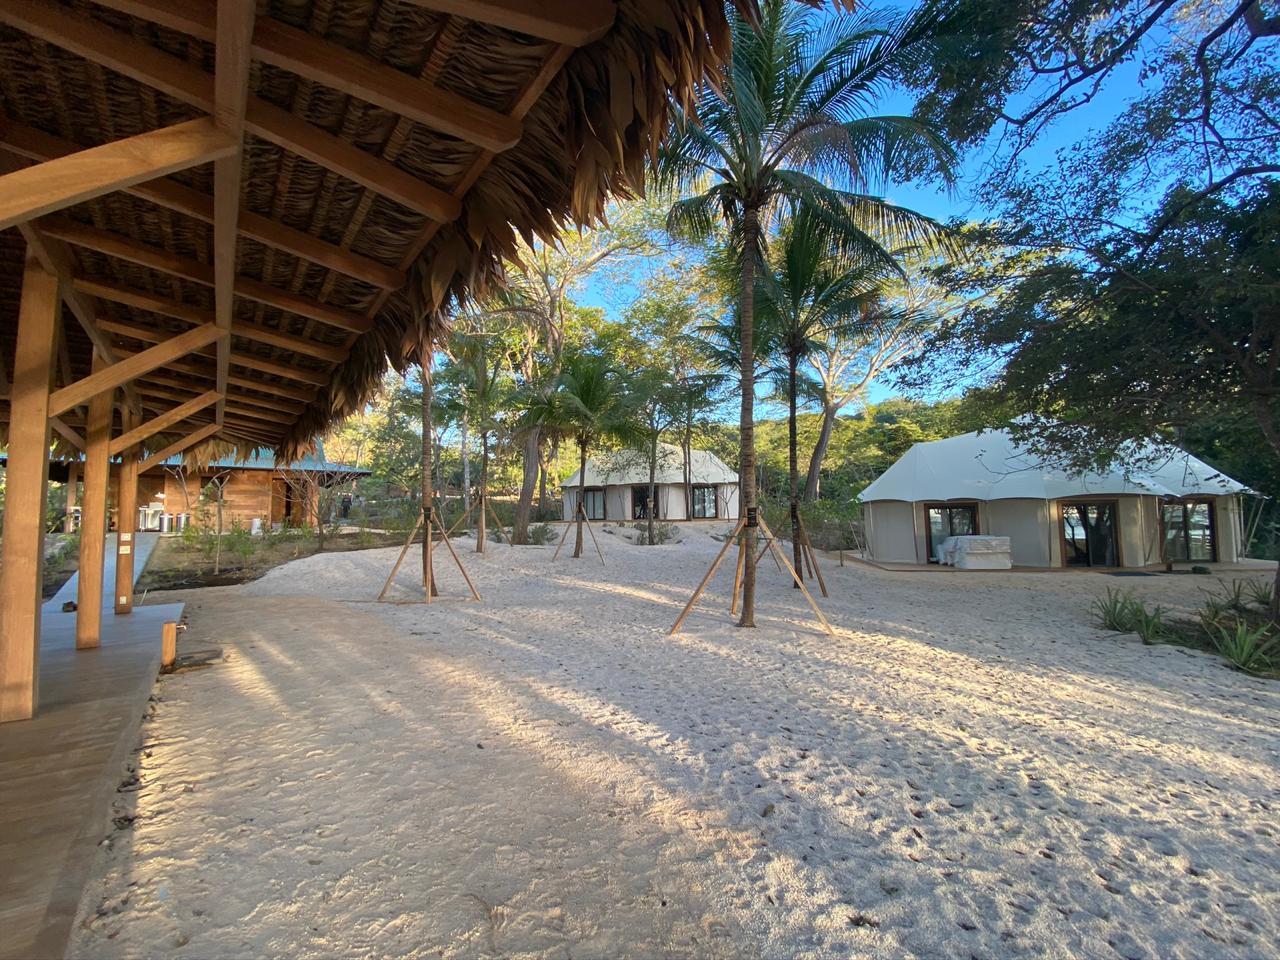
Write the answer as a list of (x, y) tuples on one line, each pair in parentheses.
[(970, 768)]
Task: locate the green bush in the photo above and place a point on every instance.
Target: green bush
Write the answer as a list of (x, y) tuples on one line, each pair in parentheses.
[(541, 533), (1260, 592), (1119, 610), (1150, 625), (241, 543), (662, 533), (1247, 648), (1236, 597)]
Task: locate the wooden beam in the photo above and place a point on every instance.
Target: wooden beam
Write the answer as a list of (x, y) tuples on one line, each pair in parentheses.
[(192, 314), (162, 422), (26, 488), (35, 144), (188, 387), (67, 433), (56, 258), (366, 79), (230, 89), (344, 70), (154, 258), (177, 447), (186, 82), (118, 374), (93, 517), (296, 135), (572, 22), (313, 377), (54, 184)]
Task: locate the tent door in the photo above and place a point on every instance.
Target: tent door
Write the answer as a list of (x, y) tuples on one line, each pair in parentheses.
[(1090, 534)]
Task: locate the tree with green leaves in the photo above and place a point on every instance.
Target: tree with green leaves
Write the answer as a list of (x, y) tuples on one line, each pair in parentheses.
[(789, 126)]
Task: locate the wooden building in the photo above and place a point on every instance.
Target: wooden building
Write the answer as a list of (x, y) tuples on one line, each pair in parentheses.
[(221, 220)]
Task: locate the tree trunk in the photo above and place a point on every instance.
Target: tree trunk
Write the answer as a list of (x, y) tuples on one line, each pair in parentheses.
[(524, 506), (653, 487), (582, 494), (746, 419), (543, 468), (793, 466), (687, 450), (820, 452), (482, 500), (428, 445), (466, 468)]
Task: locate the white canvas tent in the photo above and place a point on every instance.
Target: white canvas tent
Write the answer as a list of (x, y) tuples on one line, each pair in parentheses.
[(1168, 506), (618, 486)]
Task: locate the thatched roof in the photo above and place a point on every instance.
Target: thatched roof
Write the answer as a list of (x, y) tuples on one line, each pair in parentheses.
[(340, 270)]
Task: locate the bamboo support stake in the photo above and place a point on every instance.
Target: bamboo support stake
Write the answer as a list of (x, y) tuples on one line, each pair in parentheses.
[(796, 577), (563, 537), (400, 559), (593, 535), (813, 559), (463, 570), (168, 646), (737, 576), (711, 572)]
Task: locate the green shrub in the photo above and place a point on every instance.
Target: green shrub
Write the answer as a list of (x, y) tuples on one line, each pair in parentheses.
[(1247, 648), (662, 533), (1150, 625), (364, 538), (240, 542), (1260, 592), (1236, 597), (1213, 613), (541, 533), (1119, 610)]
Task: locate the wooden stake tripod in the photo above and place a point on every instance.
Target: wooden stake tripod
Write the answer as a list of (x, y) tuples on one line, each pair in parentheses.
[(564, 536), (428, 573), (779, 557)]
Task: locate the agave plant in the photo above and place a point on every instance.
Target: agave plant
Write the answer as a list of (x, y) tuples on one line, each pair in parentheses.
[(1250, 649), (1119, 610)]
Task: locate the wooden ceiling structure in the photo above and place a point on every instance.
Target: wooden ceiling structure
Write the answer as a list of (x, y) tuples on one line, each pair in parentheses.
[(221, 220)]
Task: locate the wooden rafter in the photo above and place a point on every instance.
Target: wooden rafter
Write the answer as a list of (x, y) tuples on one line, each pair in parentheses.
[(45, 187), (162, 422), (186, 82), (187, 386), (158, 259), (238, 359), (37, 145), (231, 88), (572, 22), (123, 371), (73, 437), (178, 446), (344, 70)]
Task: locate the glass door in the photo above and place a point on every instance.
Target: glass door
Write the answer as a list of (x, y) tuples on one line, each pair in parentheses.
[(1090, 534), (947, 520), (1188, 531)]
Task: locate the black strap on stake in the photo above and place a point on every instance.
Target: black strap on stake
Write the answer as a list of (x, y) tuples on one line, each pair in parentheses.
[(753, 516)]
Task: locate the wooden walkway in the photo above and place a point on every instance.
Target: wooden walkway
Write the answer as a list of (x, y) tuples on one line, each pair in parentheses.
[(59, 771)]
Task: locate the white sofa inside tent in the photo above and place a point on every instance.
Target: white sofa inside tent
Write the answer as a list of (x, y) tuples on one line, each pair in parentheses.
[(1170, 505)]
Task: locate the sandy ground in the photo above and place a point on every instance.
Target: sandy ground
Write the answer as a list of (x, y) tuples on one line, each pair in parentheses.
[(969, 768)]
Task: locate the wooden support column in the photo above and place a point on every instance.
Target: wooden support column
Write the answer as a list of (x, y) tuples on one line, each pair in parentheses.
[(73, 483), (26, 480), (126, 526), (93, 517)]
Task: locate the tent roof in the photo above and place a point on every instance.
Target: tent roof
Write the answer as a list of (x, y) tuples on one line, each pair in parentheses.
[(991, 466), (632, 466)]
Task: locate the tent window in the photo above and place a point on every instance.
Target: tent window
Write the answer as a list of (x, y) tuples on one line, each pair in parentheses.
[(1189, 532), (949, 520), (593, 503), (1090, 534), (704, 503)]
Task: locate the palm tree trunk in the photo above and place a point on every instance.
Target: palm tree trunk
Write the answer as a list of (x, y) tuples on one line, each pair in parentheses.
[(686, 447), (466, 468), (793, 467), (482, 501), (524, 506), (819, 452), (582, 494), (746, 419), (428, 449)]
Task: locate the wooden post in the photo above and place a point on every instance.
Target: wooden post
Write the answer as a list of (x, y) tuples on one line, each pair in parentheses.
[(168, 645), (93, 518), (126, 526), (73, 482), (26, 485)]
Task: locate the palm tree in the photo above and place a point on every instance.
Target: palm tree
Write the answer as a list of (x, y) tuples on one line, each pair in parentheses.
[(590, 403), (810, 293), (788, 128)]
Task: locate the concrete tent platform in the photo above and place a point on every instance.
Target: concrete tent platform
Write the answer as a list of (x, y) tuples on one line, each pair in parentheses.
[(59, 771)]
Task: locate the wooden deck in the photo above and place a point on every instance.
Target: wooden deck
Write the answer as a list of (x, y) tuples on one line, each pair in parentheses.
[(59, 771)]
